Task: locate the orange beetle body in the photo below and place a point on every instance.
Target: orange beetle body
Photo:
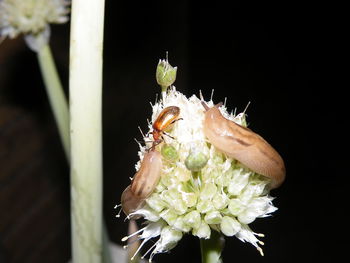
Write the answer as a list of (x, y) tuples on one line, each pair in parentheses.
[(163, 121)]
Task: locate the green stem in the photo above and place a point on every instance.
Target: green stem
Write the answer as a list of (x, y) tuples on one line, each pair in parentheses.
[(164, 89), (56, 95), (211, 248), (85, 90), (59, 106)]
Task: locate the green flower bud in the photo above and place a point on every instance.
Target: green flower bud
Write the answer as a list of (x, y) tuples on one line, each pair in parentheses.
[(168, 240), (169, 153), (165, 74), (181, 225), (239, 181), (204, 206), (174, 200), (229, 226), (155, 202), (195, 161), (235, 207), (203, 231), (213, 218), (193, 219), (169, 216), (190, 199), (220, 201), (208, 191), (167, 180)]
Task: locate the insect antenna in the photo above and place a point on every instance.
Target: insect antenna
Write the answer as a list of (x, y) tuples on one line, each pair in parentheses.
[(167, 134)]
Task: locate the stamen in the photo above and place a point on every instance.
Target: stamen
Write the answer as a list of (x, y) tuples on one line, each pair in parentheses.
[(259, 234), (153, 253), (132, 242), (261, 243), (212, 94), (201, 95), (149, 249), (120, 210), (133, 234), (143, 135), (260, 250), (246, 107), (139, 248)]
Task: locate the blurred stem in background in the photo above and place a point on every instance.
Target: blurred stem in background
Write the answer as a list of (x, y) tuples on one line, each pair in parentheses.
[(57, 98), (85, 89)]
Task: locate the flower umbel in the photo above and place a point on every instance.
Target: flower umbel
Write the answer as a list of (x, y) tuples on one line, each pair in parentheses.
[(31, 17), (201, 189)]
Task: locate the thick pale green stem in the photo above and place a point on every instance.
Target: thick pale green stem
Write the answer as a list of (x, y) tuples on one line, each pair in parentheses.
[(56, 95), (164, 89), (211, 248), (85, 89)]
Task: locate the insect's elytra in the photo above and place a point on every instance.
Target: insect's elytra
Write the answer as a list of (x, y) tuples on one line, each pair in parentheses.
[(167, 116), (244, 145)]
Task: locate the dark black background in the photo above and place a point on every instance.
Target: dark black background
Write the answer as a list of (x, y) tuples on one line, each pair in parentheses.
[(285, 57)]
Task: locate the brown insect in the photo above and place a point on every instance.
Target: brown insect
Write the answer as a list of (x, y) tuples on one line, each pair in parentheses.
[(147, 177), (143, 183), (244, 145), (167, 117)]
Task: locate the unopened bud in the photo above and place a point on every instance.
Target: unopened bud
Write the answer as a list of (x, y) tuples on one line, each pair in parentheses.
[(169, 152), (195, 161), (229, 226), (165, 74)]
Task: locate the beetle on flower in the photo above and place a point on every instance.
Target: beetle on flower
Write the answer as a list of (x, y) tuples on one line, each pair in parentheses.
[(204, 188)]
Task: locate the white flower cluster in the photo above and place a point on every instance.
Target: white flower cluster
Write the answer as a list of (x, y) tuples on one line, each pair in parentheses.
[(31, 17), (223, 196)]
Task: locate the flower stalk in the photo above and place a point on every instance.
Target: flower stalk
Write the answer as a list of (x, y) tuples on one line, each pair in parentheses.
[(56, 95), (85, 89), (211, 248)]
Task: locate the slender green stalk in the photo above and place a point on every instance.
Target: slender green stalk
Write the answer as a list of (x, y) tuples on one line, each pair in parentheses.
[(56, 95), (85, 89), (211, 248)]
